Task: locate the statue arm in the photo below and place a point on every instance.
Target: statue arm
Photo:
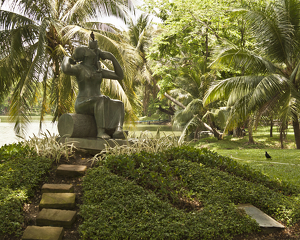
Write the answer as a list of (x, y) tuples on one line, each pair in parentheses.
[(68, 66), (118, 73)]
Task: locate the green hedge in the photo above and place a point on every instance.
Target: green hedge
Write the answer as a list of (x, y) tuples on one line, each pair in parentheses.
[(181, 193), (118, 208), (21, 171)]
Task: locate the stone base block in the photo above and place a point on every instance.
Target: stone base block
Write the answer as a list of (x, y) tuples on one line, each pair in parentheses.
[(49, 233), (58, 201), (69, 170), (57, 188), (56, 217)]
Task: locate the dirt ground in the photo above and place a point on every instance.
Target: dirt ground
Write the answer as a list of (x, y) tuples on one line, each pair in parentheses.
[(31, 209)]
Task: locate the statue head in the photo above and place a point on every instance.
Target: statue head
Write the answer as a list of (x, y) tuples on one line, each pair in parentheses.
[(79, 54), (93, 44)]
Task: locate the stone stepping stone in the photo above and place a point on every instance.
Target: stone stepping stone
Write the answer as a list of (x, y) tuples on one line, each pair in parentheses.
[(71, 170), (58, 201), (263, 220), (56, 217), (57, 188), (49, 233)]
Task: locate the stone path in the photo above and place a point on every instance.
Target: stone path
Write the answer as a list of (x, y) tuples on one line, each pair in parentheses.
[(56, 207), (263, 220)]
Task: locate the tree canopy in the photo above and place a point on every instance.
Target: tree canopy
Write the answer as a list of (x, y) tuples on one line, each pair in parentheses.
[(36, 35)]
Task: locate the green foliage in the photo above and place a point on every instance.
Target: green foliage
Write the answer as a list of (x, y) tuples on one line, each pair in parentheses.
[(21, 170), (269, 79), (145, 142), (49, 146), (116, 208), (180, 193), (213, 159), (36, 35)]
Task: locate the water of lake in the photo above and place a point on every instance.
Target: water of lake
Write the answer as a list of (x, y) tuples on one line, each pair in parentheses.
[(7, 134)]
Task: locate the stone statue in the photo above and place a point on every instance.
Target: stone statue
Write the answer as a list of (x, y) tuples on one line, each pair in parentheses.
[(85, 66)]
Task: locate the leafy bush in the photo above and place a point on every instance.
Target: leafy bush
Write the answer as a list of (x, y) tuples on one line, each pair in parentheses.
[(21, 170), (179, 193), (117, 208)]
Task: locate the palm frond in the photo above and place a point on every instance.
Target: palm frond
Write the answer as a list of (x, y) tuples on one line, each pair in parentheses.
[(238, 113), (63, 93), (241, 58), (267, 88), (273, 30), (233, 88), (192, 122)]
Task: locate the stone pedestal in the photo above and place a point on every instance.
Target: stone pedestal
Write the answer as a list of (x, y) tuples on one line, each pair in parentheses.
[(77, 126)]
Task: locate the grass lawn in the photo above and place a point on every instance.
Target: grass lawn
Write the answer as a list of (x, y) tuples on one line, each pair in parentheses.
[(284, 165)]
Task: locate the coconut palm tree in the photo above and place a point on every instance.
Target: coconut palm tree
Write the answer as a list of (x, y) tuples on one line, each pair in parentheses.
[(36, 35), (272, 76), (140, 33)]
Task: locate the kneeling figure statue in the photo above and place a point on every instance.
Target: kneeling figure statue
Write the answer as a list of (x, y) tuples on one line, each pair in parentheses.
[(85, 66)]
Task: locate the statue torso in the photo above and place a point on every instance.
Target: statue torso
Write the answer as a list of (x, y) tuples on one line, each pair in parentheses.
[(89, 81)]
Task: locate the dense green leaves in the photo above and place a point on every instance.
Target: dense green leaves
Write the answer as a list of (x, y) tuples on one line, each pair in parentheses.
[(269, 83), (21, 170), (36, 37), (181, 193)]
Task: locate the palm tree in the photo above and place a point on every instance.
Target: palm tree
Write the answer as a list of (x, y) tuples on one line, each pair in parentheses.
[(140, 34), (37, 34), (272, 79)]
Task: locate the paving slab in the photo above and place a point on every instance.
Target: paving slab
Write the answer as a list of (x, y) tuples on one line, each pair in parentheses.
[(264, 220), (69, 170), (58, 201), (57, 188), (43, 233), (56, 217)]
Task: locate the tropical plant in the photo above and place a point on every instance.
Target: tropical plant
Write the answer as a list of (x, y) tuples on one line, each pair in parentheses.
[(272, 78), (140, 33), (183, 49), (144, 142), (36, 35), (48, 146)]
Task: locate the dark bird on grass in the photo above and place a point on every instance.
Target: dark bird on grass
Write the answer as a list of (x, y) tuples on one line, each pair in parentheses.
[(92, 36), (267, 155)]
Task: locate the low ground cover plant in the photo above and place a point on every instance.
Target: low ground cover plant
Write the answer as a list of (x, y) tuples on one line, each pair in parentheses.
[(180, 193), (21, 170)]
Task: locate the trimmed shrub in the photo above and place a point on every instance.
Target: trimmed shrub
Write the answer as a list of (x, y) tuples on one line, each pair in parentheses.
[(21, 170)]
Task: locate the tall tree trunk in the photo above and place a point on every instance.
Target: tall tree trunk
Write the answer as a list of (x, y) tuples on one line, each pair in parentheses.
[(146, 99), (271, 127), (296, 132), (281, 138), (250, 130)]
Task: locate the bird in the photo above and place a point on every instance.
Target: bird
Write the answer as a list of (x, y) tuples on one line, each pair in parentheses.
[(92, 36), (267, 155)]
